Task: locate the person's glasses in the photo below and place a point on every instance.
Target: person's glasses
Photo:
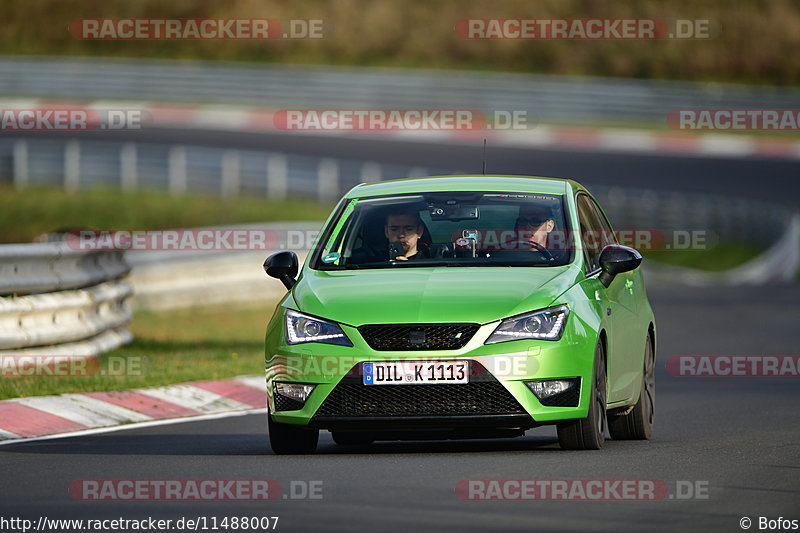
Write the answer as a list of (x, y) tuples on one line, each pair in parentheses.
[(530, 222)]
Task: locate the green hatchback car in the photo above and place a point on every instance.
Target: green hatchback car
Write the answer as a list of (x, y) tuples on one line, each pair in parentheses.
[(461, 307)]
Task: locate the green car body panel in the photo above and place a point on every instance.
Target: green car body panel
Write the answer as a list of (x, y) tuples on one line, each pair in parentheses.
[(619, 315)]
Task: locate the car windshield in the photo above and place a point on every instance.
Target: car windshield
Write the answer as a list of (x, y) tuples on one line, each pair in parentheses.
[(446, 229)]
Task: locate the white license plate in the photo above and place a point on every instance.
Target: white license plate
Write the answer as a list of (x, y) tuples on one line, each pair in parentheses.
[(415, 372)]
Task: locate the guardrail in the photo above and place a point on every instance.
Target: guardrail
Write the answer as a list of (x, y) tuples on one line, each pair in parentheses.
[(711, 217), (548, 97), (184, 278), (780, 263), (178, 168), (62, 302), (41, 267)]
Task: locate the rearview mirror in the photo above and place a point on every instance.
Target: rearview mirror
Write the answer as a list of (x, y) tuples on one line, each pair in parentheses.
[(283, 266), (616, 259), (454, 212)]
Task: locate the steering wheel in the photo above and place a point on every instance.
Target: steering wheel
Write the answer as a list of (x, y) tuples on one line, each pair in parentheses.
[(539, 248)]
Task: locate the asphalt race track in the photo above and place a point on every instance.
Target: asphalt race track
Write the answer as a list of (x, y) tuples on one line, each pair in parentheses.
[(739, 437)]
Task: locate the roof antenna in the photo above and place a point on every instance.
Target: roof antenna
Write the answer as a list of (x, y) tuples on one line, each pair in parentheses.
[(484, 157)]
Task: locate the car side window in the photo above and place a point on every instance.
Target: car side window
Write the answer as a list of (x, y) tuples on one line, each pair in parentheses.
[(608, 236), (591, 232)]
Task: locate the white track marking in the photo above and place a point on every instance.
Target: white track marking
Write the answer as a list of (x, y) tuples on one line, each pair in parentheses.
[(83, 410), (194, 398), (257, 382), (138, 425), (7, 435)]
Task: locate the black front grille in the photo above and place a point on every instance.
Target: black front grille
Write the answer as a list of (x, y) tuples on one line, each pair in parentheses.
[(284, 403), (401, 337), (484, 395)]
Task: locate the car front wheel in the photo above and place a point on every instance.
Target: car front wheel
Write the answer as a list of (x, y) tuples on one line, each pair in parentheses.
[(589, 433)]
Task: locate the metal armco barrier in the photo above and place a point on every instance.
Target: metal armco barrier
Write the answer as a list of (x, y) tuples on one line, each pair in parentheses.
[(44, 267), (63, 302), (178, 168), (780, 263), (187, 278), (207, 170)]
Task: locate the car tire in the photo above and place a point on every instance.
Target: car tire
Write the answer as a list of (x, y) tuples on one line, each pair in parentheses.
[(589, 433), (291, 439), (638, 423), (351, 438)]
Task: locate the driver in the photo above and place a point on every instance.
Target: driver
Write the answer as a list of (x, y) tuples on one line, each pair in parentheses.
[(406, 227), (533, 226)]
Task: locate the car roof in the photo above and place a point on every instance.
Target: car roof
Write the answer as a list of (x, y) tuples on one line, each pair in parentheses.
[(478, 183)]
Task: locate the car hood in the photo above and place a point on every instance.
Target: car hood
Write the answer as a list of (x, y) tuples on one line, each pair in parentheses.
[(438, 294)]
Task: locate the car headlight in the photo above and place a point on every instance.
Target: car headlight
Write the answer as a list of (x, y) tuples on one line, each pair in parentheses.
[(303, 328), (546, 324)]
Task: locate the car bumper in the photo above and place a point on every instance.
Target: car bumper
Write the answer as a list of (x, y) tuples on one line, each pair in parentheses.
[(509, 365)]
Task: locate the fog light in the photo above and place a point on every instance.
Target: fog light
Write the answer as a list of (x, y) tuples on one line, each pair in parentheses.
[(546, 389), (296, 391), (291, 396)]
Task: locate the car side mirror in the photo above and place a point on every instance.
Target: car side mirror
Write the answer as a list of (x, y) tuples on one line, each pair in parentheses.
[(616, 259), (283, 266)]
